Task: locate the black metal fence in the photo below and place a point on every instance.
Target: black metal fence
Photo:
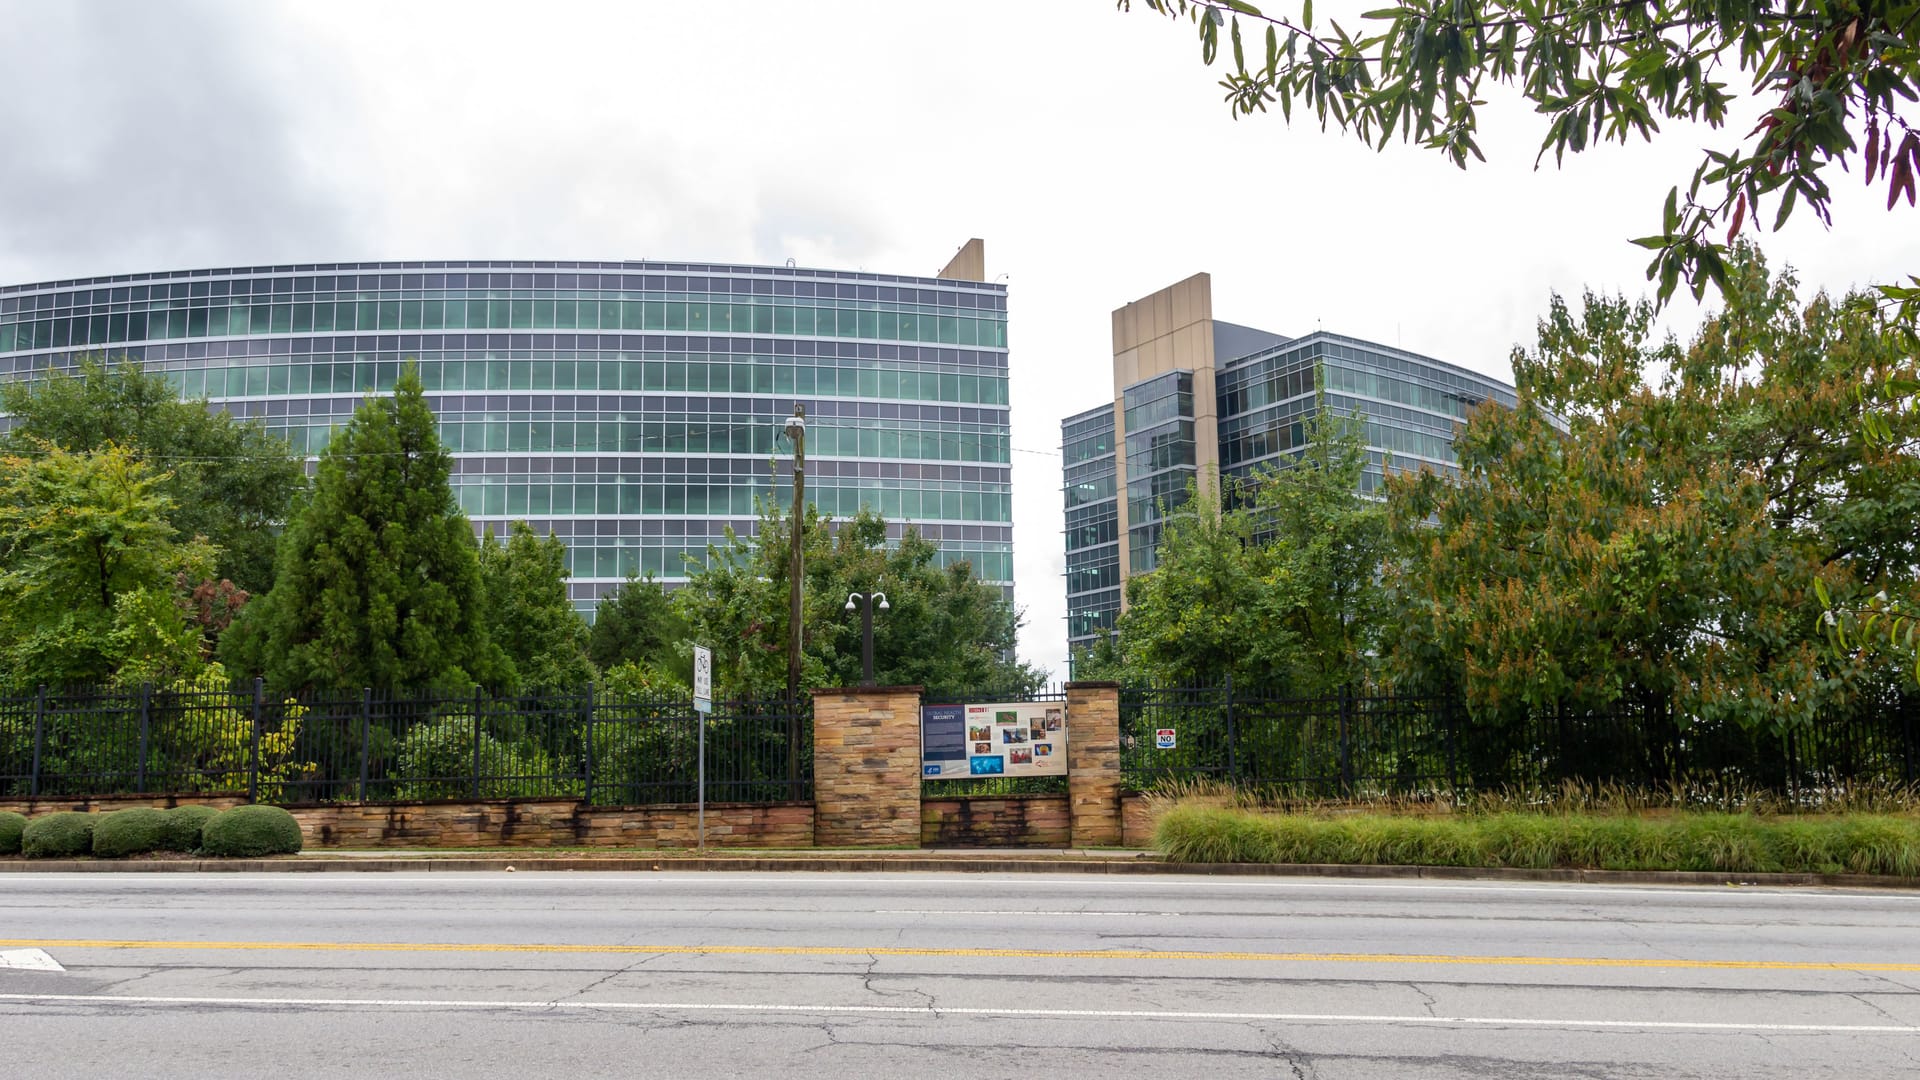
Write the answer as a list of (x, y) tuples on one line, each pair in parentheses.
[(1412, 746), (373, 746)]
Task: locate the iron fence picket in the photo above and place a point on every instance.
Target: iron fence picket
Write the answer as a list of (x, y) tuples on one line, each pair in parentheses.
[(1414, 746), (377, 745), (373, 745)]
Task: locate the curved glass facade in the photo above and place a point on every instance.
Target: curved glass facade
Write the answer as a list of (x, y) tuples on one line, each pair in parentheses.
[(632, 408)]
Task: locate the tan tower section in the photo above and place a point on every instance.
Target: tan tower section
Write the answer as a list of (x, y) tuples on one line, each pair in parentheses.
[(967, 264), (1171, 330)]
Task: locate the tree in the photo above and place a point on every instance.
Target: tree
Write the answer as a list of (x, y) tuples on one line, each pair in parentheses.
[(1843, 78), (377, 578), (528, 614), (1279, 590), (90, 570), (944, 628), (1670, 543), (639, 625), (228, 480)]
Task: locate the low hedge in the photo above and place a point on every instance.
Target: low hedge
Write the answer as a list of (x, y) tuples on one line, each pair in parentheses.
[(184, 825), (134, 831), (248, 832), (11, 826), (58, 836), (1730, 843)]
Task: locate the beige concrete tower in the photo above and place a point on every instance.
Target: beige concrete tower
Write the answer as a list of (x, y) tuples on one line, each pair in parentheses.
[(1171, 330), (969, 263)]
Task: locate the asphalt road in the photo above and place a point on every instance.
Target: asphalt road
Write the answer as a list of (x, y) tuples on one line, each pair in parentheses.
[(910, 975)]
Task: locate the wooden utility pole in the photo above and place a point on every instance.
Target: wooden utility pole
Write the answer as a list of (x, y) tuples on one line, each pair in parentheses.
[(797, 431)]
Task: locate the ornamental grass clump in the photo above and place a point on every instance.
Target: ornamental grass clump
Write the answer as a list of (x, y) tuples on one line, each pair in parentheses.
[(1712, 842), (58, 836), (134, 831), (248, 832), (11, 826)]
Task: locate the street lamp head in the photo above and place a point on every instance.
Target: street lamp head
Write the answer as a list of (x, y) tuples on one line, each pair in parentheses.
[(850, 597), (883, 600)]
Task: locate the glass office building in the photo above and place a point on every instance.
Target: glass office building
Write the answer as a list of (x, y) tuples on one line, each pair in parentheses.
[(634, 409), (1197, 397)]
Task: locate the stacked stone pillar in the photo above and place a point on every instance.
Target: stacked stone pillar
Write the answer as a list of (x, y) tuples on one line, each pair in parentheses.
[(1093, 763), (866, 767)]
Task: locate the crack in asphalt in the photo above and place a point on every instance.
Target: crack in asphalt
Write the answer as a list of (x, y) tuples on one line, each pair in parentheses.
[(866, 983), (1425, 998), (1300, 1063), (1862, 999)]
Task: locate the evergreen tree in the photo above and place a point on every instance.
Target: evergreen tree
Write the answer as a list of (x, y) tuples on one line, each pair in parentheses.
[(528, 614), (639, 625), (377, 579)]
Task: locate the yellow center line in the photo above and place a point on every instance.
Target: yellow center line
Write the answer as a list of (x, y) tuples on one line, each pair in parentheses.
[(998, 954)]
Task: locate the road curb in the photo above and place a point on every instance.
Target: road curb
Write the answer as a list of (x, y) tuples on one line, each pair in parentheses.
[(908, 863)]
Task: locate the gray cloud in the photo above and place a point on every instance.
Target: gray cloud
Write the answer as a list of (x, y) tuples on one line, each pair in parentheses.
[(142, 136)]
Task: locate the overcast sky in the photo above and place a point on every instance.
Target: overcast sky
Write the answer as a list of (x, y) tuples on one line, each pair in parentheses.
[(1090, 149)]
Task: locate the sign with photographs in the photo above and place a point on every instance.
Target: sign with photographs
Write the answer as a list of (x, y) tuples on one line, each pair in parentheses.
[(1026, 738)]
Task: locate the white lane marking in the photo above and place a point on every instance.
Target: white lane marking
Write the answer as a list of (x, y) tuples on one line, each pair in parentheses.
[(28, 960), (1049, 913), (936, 879), (936, 1013)]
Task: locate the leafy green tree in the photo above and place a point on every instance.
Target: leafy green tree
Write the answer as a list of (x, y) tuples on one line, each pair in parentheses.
[(944, 628), (377, 580), (90, 570), (1842, 79), (639, 625), (1280, 590), (1669, 545), (528, 614), (228, 480)]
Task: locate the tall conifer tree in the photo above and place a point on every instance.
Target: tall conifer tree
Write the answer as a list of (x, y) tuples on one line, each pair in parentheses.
[(377, 579), (529, 615)]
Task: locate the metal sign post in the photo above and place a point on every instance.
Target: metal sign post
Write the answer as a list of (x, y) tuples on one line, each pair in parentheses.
[(702, 705)]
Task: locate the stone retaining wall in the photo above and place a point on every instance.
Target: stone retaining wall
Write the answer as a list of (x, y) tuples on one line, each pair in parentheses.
[(516, 823), (1136, 820), (996, 821)]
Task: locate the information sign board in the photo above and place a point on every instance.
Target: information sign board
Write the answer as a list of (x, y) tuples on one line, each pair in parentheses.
[(1026, 738)]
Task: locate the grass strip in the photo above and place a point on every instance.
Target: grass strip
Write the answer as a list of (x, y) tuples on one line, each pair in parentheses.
[(1731, 843)]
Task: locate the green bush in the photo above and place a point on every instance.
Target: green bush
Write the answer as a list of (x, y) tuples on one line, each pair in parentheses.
[(11, 826), (58, 836), (248, 832), (183, 827), (437, 758), (1720, 843), (135, 831)]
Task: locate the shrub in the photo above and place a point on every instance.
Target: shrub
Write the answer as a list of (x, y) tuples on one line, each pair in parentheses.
[(182, 832), (436, 758), (11, 825), (248, 832), (129, 832), (56, 836)]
